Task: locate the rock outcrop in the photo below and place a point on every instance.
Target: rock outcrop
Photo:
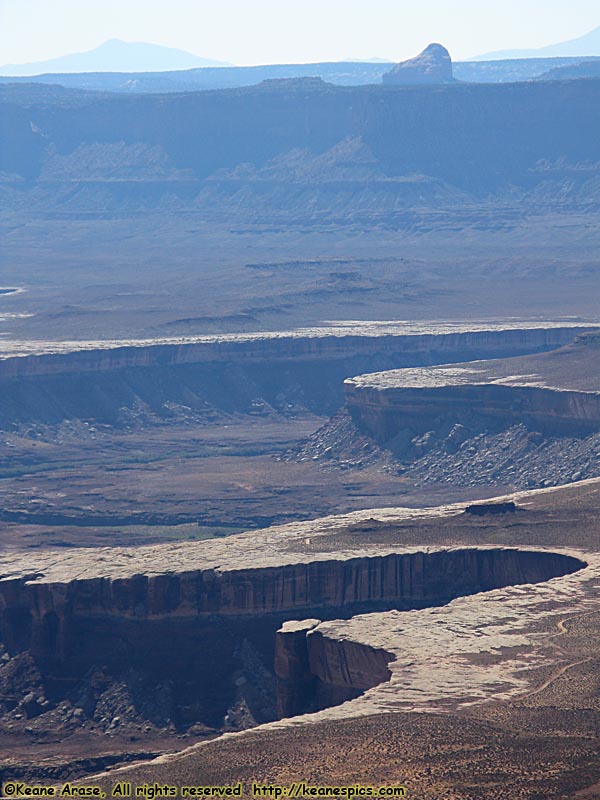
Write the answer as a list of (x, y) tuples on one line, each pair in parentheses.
[(344, 669), (433, 66), (487, 509), (296, 682), (445, 452), (438, 339), (556, 392), (237, 373), (122, 610)]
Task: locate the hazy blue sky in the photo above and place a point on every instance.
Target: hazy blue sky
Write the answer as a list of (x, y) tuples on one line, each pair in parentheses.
[(271, 31)]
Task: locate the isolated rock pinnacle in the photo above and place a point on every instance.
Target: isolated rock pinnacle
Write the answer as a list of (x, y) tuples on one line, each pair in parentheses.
[(433, 65)]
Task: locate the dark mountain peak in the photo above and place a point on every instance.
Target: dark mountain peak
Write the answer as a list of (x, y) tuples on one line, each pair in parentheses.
[(433, 65)]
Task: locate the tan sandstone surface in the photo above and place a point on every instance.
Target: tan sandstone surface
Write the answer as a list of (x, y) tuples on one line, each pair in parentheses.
[(506, 676)]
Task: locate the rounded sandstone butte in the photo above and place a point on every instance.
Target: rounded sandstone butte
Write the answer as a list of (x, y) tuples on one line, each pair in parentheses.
[(433, 65)]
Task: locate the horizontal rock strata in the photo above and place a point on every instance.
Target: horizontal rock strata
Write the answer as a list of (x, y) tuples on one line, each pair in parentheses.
[(39, 613), (32, 359), (179, 612), (556, 392), (199, 378)]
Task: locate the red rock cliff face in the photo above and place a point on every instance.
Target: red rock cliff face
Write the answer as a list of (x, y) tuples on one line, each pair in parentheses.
[(344, 668), (43, 616), (316, 671), (186, 627)]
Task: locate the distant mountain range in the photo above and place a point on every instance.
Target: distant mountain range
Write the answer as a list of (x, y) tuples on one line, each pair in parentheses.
[(338, 73), (586, 45), (116, 56), (138, 67)]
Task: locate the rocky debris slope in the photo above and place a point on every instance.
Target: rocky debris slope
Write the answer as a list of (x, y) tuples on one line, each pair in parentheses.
[(433, 65), (456, 454), (340, 444), (530, 421), (113, 716), (516, 457)]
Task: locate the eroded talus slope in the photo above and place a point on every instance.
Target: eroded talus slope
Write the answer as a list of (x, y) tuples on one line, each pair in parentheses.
[(530, 421)]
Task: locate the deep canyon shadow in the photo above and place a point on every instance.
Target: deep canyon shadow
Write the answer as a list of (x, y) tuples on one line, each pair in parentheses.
[(198, 647)]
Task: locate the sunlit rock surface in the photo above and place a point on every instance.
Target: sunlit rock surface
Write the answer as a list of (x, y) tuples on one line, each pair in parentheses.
[(556, 391), (303, 368), (470, 649), (433, 65)]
